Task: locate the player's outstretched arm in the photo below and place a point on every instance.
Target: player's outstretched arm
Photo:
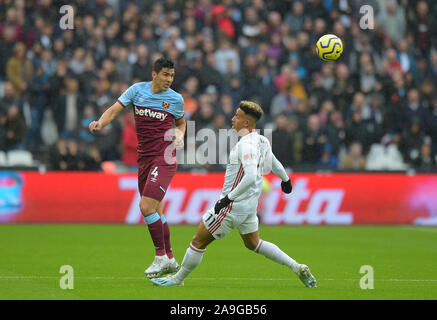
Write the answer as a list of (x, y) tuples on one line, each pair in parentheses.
[(108, 116), (279, 171)]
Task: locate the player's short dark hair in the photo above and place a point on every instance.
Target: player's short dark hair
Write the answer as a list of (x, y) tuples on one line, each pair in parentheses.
[(251, 109), (162, 63)]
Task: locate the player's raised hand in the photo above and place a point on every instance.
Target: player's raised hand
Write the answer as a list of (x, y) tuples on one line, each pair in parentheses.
[(95, 126), (222, 203), (286, 186)]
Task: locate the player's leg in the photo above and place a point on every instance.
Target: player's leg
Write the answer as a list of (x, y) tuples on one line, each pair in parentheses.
[(153, 179), (166, 231), (250, 235), (149, 205), (194, 254), (253, 242), (193, 257), (211, 227), (173, 266), (149, 209)]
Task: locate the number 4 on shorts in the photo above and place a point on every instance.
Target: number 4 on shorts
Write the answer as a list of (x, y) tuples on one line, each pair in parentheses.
[(154, 173)]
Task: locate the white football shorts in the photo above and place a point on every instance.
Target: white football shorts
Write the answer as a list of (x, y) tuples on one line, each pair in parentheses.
[(223, 223)]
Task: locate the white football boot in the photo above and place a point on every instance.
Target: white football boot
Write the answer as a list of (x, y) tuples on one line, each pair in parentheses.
[(158, 267), (168, 281), (306, 277), (173, 266)]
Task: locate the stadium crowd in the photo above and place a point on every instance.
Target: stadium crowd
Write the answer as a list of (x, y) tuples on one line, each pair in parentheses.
[(374, 108)]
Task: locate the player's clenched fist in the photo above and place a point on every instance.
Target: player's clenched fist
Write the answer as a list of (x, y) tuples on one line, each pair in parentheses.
[(222, 203), (95, 126), (286, 186)]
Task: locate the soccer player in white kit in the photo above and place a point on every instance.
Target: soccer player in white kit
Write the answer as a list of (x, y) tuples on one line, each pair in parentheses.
[(238, 203)]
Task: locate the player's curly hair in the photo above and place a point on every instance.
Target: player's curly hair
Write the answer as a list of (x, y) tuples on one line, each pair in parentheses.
[(252, 109)]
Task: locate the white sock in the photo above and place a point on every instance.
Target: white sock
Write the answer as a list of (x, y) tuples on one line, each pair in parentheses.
[(193, 257), (271, 251)]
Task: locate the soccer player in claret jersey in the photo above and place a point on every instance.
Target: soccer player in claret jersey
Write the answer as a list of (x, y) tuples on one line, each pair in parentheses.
[(239, 200), (156, 108)]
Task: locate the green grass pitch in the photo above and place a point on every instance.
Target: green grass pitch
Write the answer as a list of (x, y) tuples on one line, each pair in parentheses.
[(109, 261)]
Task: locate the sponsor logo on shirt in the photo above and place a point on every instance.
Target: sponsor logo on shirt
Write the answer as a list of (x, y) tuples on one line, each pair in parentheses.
[(151, 113)]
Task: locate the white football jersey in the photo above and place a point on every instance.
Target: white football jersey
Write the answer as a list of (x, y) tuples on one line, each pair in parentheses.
[(252, 149)]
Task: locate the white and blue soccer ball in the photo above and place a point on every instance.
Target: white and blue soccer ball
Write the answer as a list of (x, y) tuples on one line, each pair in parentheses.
[(329, 47)]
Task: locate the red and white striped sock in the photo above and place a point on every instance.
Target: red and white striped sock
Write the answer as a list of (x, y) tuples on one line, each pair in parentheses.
[(193, 257), (271, 251)]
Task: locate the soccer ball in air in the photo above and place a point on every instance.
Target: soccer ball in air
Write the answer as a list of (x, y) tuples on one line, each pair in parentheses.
[(329, 47)]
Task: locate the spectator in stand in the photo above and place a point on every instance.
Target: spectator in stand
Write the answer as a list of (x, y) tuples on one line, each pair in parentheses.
[(204, 114), (430, 125), (356, 131), (314, 141), (411, 142), (406, 57), (282, 142), (19, 69), (208, 74), (11, 21), (295, 18), (433, 69), (3, 133), (392, 19), (92, 160), (227, 108), (360, 105), (142, 69), (222, 21), (73, 156), (225, 52), (428, 94), (69, 109), (283, 102), (424, 27), (412, 109), (329, 160), (109, 138), (88, 116), (10, 99), (6, 49), (354, 159), (425, 161), (38, 90), (58, 155), (15, 129)]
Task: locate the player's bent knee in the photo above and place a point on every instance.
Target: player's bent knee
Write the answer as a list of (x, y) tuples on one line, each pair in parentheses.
[(146, 208), (201, 242), (250, 245)]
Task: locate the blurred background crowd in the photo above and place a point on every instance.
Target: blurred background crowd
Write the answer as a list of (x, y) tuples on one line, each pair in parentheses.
[(373, 109)]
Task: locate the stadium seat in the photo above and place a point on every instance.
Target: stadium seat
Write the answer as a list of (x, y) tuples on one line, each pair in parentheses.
[(20, 158), (3, 159)]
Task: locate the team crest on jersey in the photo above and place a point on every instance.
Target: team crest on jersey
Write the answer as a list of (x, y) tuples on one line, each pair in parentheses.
[(165, 104)]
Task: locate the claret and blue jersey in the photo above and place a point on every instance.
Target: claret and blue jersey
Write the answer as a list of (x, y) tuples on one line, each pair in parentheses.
[(154, 115)]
